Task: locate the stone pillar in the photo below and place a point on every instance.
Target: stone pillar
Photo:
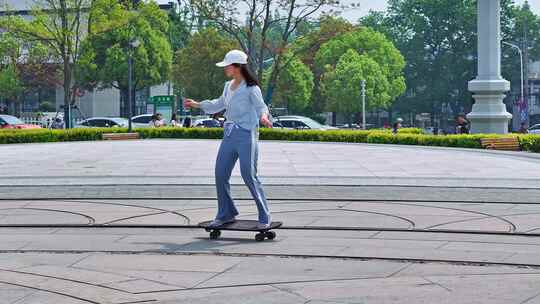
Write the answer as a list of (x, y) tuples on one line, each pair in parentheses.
[(489, 113)]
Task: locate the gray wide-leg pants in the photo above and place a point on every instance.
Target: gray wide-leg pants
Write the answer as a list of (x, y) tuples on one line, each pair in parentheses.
[(239, 143)]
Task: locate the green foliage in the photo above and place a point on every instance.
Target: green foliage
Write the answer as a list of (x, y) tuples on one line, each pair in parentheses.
[(294, 86), (342, 85), (351, 57), (104, 54), (10, 83), (194, 69), (404, 137)]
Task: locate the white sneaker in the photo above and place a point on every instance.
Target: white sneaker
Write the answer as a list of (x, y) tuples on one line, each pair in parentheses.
[(219, 223), (262, 226)]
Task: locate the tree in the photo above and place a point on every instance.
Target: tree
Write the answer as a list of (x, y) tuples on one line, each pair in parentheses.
[(25, 66), (370, 45), (59, 25), (342, 85), (194, 69), (438, 40), (306, 47), (104, 54), (294, 87), (266, 32)]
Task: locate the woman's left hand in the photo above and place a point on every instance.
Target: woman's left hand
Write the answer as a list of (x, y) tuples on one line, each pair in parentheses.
[(266, 122)]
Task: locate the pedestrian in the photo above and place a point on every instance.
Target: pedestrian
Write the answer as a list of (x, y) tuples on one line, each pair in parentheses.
[(462, 125), (523, 129), (187, 122), (396, 126), (58, 123), (174, 121), (156, 121), (244, 108)]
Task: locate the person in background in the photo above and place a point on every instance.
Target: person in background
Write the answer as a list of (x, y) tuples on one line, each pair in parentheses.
[(462, 125), (187, 122), (396, 126), (57, 124), (174, 121), (523, 129), (157, 121)]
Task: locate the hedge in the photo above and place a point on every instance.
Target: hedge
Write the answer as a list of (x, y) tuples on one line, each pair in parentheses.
[(405, 137)]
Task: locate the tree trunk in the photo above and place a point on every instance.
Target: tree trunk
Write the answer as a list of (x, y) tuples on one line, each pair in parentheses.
[(67, 93)]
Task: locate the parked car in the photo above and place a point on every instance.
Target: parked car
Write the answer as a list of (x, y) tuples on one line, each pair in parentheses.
[(141, 121), (534, 129), (103, 122), (301, 123), (12, 122), (207, 123)]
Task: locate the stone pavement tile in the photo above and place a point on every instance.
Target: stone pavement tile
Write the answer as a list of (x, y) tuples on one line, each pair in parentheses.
[(42, 297), (86, 291), (244, 295), (511, 248), (272, 270), (10, 294), (430, 254), (392, 290), (181, 279), (492, 288), (77, 274), (144, 262), (142, 286), (34, 231), (22, 260), (524, 258), (441, 269), (478, 238)]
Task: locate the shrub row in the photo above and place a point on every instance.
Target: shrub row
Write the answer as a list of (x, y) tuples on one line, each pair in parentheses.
[(407, 137)]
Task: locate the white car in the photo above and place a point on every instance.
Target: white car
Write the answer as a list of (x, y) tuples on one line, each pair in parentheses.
[(534, 129), (141, 121), (301, 123)]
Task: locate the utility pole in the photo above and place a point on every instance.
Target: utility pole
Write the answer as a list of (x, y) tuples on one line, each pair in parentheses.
[(363, 104), (526, 70)]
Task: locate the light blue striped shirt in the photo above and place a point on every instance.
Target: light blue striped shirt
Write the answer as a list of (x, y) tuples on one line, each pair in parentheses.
[(244, 106)]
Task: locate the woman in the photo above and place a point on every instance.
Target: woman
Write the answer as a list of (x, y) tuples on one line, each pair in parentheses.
[(174, 121), (244, 108)]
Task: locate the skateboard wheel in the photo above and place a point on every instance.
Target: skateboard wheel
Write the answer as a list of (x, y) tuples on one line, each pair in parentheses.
[(208, 229), (259, 237), (270, 235), (215, 234)]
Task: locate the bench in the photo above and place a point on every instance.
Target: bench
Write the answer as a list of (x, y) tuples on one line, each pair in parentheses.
[(120, 136), (503, 143)]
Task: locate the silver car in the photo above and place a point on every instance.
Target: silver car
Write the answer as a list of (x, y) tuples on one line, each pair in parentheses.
[(301, 123), (534, 129)]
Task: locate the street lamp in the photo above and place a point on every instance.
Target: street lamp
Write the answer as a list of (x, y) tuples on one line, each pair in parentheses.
[(132, 45), (521, 62), (363, 104)]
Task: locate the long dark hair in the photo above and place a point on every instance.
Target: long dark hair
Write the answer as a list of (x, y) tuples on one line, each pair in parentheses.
[(249, 76)]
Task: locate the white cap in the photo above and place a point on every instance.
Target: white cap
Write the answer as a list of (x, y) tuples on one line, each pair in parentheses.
[(232, 57)]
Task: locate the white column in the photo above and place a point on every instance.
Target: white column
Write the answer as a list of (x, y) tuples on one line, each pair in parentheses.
[(489, 113)]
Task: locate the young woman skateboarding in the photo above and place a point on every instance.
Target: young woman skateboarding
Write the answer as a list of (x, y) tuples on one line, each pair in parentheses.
[(244, 109)]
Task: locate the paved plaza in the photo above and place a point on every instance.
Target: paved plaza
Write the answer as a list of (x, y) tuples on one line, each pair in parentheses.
[(115, 222)]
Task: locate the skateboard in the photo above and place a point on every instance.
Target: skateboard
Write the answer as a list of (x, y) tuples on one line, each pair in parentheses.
[(242, 225)]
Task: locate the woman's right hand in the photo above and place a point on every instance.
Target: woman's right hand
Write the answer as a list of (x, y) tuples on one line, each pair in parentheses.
[(190, 103)]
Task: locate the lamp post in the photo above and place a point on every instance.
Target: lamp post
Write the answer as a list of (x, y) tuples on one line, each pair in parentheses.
[(363, 104), (489, 113), (132, 45), (522, 74)]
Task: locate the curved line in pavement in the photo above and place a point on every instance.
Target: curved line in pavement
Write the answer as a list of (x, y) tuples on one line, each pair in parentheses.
[(90, 219)]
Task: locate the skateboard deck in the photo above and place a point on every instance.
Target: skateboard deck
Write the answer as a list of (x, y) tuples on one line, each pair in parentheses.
[(242, 225)]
